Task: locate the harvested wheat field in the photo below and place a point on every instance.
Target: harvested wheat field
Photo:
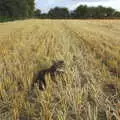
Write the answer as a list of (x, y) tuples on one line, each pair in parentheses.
[(89, 88)]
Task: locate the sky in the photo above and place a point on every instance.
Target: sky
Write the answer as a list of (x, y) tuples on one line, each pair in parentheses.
[(45, 5)]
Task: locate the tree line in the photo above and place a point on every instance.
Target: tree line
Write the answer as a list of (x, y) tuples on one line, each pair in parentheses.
[(16, 9), (81, 12), (22, 9)]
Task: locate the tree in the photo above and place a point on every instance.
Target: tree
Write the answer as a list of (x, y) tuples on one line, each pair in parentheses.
[(31, 7), (80, 12), (110, 12), (37, 13), (91, 12), (58, 13), (84, 11), (44, 16), (116, 14), (16, 8)]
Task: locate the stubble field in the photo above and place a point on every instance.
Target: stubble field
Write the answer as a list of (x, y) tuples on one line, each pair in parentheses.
[(90, 87)]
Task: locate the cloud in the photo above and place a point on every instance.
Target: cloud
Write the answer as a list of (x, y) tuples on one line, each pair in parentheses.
[(107, 3), (88, 0), (45, 5)]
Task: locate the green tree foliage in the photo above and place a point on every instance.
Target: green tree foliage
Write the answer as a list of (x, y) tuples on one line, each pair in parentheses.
[(116, 14), (84, 11), (110, 12), (58, 13), (31, 6), (81, 11), (44, 16), (16, 8), (102, 12), (37, 13)]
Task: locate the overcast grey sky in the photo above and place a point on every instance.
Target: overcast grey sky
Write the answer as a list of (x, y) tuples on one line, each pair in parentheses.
[(45, 5)]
